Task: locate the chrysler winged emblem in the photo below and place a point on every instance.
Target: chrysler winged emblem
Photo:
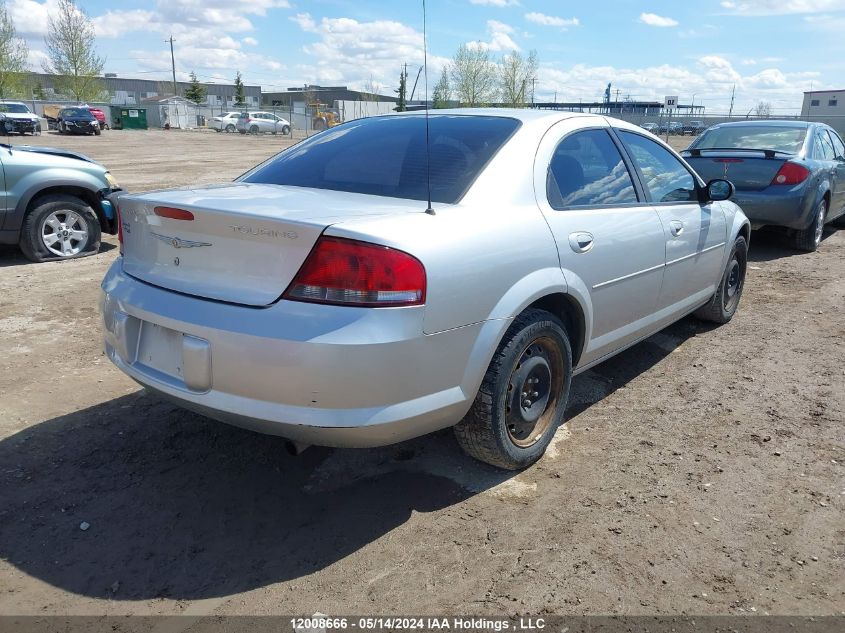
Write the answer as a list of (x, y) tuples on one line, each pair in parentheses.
[(178, 242)]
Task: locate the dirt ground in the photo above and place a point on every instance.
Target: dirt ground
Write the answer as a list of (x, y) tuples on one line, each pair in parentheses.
[(700, 472)]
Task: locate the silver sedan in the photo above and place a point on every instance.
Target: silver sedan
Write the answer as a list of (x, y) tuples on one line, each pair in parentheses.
[(385, 279)]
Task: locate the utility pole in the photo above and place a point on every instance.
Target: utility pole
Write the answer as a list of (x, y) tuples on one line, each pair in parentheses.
[(617, 99), (733, 93), (533, 86), (172, 65)]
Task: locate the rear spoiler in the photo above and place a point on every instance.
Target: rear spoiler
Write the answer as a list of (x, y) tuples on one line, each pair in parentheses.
[(769, 153)]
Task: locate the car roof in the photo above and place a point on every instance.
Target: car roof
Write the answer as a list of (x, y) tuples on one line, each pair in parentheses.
[(522, 114), (767, 123)]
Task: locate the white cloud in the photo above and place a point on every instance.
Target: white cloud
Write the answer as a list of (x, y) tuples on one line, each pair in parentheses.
[(652, 19), (782, 7), (116, 23), (500, 38), (250, 41), (495, 3), (305, 22), (551, 20)]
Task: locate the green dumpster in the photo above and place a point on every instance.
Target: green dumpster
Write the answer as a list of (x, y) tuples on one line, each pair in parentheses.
[(129, 118)]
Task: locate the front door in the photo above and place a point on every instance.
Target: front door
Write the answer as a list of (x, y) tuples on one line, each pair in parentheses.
[(609, 239), (695, 233)]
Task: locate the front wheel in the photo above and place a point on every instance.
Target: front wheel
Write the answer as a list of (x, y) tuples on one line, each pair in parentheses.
[(230, 128), (809, 239), (253, 129), (724, 302), (523, 397), (286, 130), (60, 227)]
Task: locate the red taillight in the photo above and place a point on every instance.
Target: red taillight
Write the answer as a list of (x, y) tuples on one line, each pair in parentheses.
[(348, 272), (173, 214), (790, 174), (247, 120), (119, 227)]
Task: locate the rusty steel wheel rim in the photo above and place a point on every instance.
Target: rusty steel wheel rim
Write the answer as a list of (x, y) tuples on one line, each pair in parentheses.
[(534, 388)]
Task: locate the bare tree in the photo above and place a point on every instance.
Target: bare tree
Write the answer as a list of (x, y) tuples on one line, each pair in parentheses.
[(371, 90), (473, 75), (442, 91), (13, 53), (763, 110), (72, 54), (516, 77)]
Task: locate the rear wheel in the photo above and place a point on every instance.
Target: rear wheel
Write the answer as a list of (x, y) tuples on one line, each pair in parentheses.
[(230, 128), (724, 302), (523, 397), (60, 227), (253, 129), (809, 239)]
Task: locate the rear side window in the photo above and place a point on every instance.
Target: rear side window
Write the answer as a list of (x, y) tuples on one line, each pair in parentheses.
[(781, 138), (665, 177), (587, 169), (386, 156), (838, 146), (824, 146)]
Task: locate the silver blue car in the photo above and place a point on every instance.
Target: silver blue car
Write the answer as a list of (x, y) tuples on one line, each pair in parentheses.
[(788, 174), (364, 286)]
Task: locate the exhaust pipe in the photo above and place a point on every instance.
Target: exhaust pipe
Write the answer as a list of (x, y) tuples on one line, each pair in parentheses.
[(295, 448)]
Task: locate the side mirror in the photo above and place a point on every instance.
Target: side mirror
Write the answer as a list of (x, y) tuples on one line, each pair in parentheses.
[(719, 189)]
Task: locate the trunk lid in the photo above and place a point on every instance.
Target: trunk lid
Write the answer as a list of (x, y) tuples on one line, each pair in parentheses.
[(750, 170), (245, 242)]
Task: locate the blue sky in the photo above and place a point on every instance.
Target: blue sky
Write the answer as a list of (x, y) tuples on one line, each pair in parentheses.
[(771, 50)]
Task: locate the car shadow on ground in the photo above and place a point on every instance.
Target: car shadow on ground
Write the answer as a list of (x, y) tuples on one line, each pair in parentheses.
[(768, 245), (12, 256), (137, 499)]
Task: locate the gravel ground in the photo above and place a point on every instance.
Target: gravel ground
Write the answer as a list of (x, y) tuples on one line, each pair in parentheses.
[(700, 472)]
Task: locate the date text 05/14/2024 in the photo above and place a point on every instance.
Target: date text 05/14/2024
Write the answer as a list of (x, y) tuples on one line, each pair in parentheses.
[(319, 623)]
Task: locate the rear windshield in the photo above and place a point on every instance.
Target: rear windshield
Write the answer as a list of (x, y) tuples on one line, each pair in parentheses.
[(386, 156), (782, 139), (17, 108)]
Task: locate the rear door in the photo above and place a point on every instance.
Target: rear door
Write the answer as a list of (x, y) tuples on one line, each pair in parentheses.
[(837, 206), (609, 239), (694, 233)]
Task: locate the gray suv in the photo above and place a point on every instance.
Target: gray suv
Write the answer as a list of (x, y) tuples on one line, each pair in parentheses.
[(55, 203)]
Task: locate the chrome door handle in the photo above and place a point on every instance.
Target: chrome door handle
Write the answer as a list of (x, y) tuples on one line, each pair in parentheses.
[(676, 227), (581, 241)]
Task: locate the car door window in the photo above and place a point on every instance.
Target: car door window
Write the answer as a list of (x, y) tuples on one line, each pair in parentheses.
[(824, 147), (664, 176), (838, 145), (587, 169)]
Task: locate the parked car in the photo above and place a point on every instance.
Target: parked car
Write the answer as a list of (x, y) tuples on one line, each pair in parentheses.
[(100, 116), (227, 122), (674, 128), (396, 300), (651, 127), (77, 120), (693, 128), (17, 118), (789, 174), (262, 122), (55, 202)]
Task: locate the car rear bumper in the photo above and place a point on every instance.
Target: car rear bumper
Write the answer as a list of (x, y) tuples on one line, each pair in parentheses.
[(327, 375), (773, 206)]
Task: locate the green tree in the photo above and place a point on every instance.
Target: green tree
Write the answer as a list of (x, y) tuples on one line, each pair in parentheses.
[(195, 91), (72, 54), (38, 91), (473, 75), (13, 53), (442, 91), (516, 78), (402, 91), (240, 98)]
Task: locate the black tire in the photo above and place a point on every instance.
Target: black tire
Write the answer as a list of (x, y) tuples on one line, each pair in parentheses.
[(253, 129), (808, 240), (230, 128), (320, 125), (31, 242), (286, 130), (724, 302), (97, 131), (535, 348)]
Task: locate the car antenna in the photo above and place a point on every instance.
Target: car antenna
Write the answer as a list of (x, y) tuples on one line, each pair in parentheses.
[(429, 209)]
